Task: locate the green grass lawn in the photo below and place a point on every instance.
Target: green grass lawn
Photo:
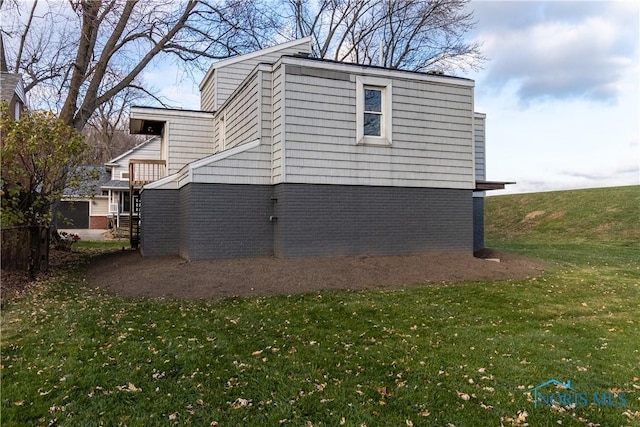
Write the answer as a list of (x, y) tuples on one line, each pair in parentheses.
[(102, 244), (462, 355)]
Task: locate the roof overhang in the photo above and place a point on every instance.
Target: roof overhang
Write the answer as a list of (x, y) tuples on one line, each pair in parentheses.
[(491, 185), (145, 127)]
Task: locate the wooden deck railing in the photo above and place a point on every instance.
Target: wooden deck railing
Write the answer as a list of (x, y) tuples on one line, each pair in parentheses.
[(142, 172)]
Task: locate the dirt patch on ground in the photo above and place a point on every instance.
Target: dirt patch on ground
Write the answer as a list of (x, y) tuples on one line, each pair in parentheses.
[(129, 274)]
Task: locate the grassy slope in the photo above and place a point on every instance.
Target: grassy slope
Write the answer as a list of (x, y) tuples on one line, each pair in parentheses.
[(596, 226), (593, 215), (464, 355)]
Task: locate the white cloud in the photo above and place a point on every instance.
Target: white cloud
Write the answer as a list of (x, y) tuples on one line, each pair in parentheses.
[(561, 92), (566, 50)]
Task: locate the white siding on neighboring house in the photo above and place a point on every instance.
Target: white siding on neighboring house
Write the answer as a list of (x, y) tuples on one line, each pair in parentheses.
[(148, 150), (480, 150), (187, 135), (99, 206), (432, 130), (225, 76)]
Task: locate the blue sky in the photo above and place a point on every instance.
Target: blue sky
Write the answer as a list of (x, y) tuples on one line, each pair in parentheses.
[(561, 91)]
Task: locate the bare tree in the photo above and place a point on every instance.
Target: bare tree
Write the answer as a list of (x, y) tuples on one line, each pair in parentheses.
[(413, 34), (76, 56), (107, 132), (68, 52)]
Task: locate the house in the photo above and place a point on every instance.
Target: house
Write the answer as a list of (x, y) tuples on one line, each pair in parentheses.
[(295, 156), (11, 87), (117, 187), (103, 200), (12, 91), (85, 206)]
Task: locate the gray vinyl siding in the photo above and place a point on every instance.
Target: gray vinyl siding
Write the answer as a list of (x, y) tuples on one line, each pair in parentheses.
[(229, 77), (241, 114), (248, 167), (265, 106), (190, 140), (277, 111), (432, 134), (208, 95), (480, 153)]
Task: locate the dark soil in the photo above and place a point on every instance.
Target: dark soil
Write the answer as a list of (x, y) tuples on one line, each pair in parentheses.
[(129, 274)]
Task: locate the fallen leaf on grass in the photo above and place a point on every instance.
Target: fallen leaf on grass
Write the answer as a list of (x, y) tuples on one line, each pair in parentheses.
[(631, 414), (240, 403), (463, 396), (129, 388)]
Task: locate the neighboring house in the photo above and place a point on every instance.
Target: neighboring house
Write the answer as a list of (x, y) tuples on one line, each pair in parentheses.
[(295, 156), (103, 201), (117, 187), (12, 89), (85, 206)]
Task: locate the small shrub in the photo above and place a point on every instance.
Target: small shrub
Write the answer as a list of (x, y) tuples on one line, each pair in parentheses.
[(66, 240)]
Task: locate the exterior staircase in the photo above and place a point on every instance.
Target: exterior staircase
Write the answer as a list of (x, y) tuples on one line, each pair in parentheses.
[(141, 172)]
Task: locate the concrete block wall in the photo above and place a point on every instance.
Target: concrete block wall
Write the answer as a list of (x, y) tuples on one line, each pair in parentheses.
[(159, 216), (209, 221), (327, 220), (478, 223), (226, 221)]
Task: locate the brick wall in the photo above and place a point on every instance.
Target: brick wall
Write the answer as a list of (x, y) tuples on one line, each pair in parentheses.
[(98, 222), (208, 221), (326, 220), (478, 223), (158, 234), (226, 221)]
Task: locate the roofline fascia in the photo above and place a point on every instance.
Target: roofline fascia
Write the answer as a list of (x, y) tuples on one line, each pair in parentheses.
[(239, 58), (375, 70)]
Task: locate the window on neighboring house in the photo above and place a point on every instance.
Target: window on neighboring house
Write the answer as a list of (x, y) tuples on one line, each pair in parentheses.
[(373, 122), (124, 175), (17, 110)]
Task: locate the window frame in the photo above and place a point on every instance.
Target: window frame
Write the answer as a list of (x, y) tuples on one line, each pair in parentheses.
[(386, 129)]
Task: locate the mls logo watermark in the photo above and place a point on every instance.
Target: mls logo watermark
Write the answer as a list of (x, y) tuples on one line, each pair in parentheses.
[(554, 392)]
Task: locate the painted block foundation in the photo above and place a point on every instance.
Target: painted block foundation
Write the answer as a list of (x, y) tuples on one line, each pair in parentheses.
[(209, 221)]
